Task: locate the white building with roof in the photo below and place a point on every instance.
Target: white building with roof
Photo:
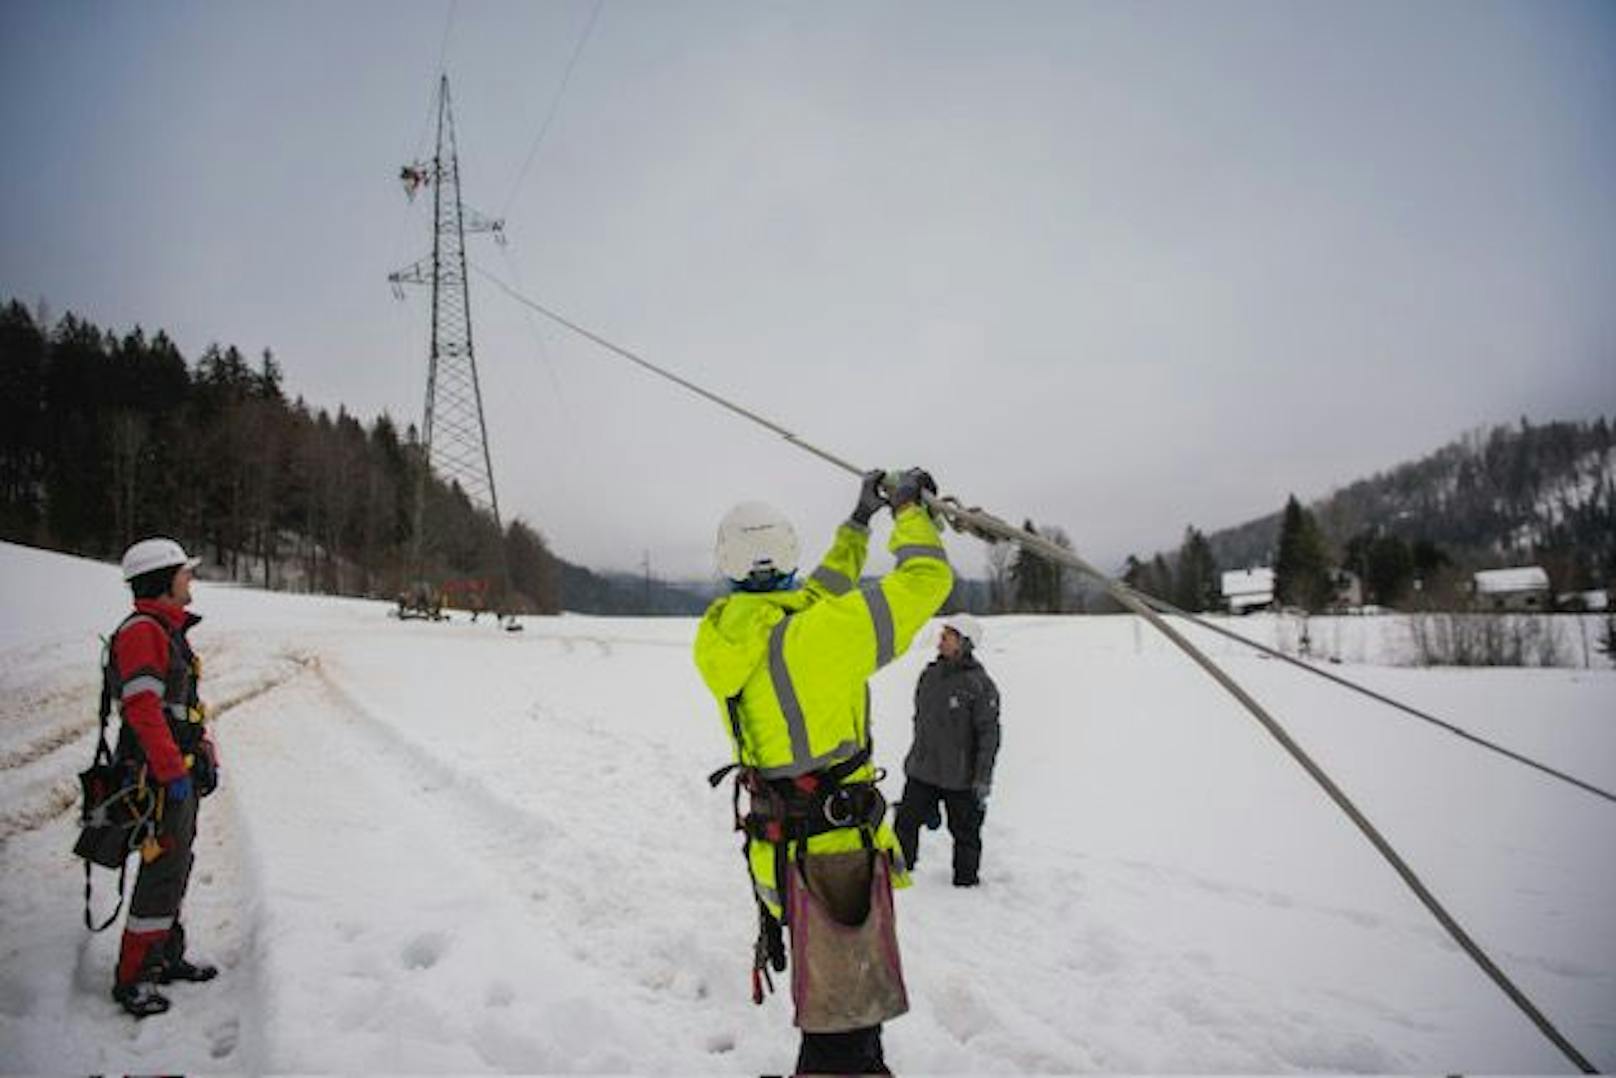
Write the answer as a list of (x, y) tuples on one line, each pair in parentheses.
[(1245, 590), (1524, 587)]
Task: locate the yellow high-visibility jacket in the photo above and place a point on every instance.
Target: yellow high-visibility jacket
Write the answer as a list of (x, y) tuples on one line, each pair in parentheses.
[(799, 661)]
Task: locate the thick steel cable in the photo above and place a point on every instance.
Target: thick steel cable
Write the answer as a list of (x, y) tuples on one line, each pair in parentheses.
[(1166, 607), (987, 526)]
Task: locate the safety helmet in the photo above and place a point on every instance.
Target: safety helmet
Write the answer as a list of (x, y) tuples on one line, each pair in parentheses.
[(968, 627), (149, 555), (755, 538)]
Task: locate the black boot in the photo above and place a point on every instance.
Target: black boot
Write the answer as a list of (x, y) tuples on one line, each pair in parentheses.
[(140, 998), (179, 969), (174, 966)]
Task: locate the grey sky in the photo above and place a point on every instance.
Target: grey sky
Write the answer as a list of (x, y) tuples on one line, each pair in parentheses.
[(1115, 266)]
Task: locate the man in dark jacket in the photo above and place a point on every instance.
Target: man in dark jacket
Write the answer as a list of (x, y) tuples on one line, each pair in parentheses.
[(956, 742), (152, 673)]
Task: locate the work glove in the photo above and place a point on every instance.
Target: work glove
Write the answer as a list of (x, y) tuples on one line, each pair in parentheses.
[(776, 944), (909, 485), (205, 770), (179, 789), (981, 790), (871, 498)]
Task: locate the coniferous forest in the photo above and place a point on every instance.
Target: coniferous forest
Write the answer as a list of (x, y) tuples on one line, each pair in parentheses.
[(107, 438)]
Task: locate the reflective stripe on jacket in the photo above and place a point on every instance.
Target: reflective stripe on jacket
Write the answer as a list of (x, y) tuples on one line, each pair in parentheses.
[(152, 673), (798, 661)]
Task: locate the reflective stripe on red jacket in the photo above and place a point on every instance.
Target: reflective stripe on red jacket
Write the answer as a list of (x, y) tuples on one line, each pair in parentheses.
[(140, 663)]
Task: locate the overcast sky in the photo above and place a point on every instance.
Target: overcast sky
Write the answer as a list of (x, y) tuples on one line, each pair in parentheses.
[(1118, 267)]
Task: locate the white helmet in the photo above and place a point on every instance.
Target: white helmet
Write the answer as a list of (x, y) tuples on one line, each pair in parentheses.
[(754, 537), (967, 626), (155, 553)]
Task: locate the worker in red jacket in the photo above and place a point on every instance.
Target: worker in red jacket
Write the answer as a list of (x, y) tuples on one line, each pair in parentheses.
[(152, 672)]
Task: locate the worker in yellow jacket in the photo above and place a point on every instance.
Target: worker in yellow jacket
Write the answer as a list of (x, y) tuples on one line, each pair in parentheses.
[(789, 666)]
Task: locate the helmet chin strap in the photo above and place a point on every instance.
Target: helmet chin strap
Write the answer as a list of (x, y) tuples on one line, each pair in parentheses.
[(773, 580)]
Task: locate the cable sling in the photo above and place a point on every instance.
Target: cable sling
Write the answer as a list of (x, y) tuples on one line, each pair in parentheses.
[(984, 525)]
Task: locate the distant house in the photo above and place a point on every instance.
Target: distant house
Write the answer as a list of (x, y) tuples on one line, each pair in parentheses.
[(1245, 590), (1525, 587), (1595, 601), (1348, 588)]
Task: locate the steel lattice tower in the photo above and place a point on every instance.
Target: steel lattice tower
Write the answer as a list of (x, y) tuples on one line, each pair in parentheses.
[(454, 433)]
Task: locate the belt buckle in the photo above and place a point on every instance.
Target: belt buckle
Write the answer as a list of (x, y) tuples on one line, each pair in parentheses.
[(844, 796)]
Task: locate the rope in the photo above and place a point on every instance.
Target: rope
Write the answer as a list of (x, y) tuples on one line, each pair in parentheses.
[(986, 526)]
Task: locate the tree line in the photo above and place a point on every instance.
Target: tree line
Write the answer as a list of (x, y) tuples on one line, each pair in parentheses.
[(1542, 494), (107, 438)]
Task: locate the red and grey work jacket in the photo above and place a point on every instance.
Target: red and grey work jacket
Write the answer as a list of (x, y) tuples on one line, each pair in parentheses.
[(152, 672)]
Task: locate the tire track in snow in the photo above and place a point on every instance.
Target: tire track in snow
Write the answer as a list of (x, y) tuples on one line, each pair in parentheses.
[(525, 842), (386, 915), (58, 792), (55, 1011), (575, 859)]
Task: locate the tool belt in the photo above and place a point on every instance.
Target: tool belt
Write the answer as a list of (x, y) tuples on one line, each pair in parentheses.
[(785, 810), (795, 809)]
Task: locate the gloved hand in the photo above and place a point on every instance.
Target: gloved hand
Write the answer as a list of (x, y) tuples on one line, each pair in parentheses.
[(773, 942), (871, 498), (180, 789), (909, 486), (205, 769), (981, 790)]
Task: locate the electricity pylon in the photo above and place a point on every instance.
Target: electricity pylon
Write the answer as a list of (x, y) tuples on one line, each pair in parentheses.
[(454, 433)]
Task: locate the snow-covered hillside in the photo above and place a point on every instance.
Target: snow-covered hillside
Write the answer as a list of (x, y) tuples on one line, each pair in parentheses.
[(447, 848)]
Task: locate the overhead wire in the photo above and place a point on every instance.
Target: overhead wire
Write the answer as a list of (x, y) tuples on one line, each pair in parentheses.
[(1168, 608), (550, 367), (555, 106), (985, 525)]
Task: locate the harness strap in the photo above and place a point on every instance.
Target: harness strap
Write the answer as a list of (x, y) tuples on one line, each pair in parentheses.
[(104, 757), (89, 922), (801, 806)]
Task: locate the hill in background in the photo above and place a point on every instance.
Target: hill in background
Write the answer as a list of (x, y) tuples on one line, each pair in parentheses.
[(1511, 495)]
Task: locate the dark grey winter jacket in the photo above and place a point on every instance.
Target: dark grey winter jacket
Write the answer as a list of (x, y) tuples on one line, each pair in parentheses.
[(956, 726)]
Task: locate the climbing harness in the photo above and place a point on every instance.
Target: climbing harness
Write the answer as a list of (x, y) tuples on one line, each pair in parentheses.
[(787, 812), (119, 811), (981, 524)]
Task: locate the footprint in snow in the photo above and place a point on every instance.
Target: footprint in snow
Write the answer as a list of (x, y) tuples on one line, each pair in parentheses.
[(424, 951), (963, 1012), (223, 1038)]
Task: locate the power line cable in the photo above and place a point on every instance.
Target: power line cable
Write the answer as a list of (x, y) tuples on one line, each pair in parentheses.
[(555, 106), (986, 525), (1168, 608)]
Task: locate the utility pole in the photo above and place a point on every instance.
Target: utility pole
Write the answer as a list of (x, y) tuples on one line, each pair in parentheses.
[(454, 432)]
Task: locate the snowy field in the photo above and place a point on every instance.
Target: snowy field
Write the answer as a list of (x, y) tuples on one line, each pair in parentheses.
[(444, 848)]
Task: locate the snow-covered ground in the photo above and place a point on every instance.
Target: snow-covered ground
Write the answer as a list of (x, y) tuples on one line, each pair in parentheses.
[(444, 848)]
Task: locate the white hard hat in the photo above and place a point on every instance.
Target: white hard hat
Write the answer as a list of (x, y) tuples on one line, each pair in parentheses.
[(754, 537), (155, 553), (966, 626)]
